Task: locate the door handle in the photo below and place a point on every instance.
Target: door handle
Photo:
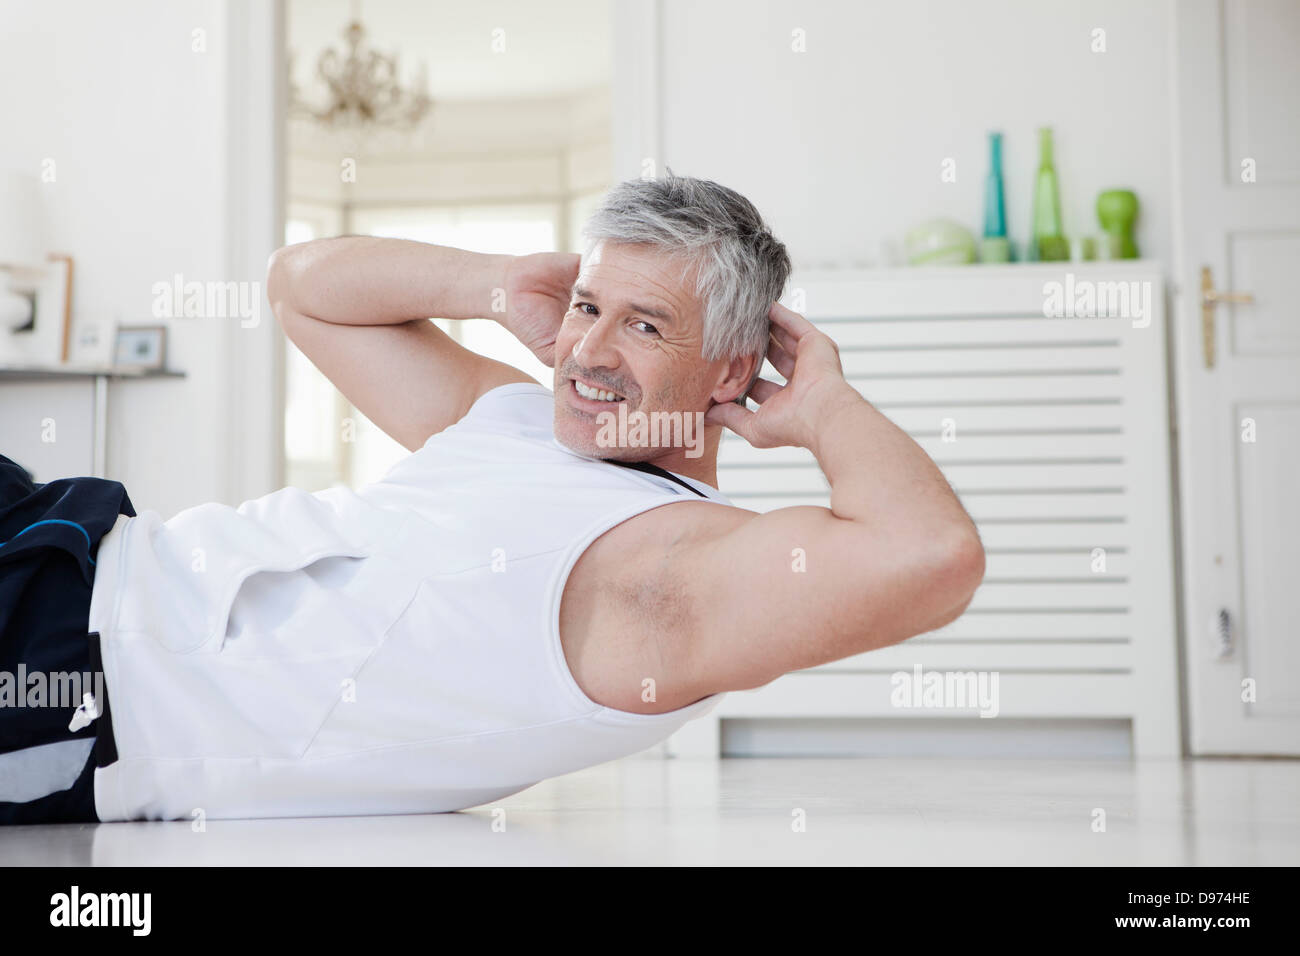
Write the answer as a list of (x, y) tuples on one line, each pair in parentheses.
[(1210, 297)]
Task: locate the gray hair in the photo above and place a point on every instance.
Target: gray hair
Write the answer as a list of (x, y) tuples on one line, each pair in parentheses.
[(741, 267)]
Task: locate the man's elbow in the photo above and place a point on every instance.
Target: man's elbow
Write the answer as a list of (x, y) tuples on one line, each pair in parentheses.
[(967, 556), (959, 575), (278, 277)]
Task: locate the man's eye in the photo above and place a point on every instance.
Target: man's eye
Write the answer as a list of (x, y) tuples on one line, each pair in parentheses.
[(583, 306), (646, 326)]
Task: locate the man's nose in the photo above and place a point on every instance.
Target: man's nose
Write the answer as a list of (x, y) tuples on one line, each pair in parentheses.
[(596, 347)]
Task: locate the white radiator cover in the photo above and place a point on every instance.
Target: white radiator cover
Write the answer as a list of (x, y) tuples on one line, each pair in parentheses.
[(1058, 443)]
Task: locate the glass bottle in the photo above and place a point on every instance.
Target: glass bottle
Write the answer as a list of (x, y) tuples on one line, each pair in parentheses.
[(994, 246), (1049, 243)]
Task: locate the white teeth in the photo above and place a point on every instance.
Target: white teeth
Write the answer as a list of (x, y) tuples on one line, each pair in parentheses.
[(597, 394)]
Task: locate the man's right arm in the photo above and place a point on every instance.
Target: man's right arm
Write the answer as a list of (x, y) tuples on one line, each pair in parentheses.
[(358, 308)]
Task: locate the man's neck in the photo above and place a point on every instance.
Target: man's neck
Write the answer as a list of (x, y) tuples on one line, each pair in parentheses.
[(702, 467)]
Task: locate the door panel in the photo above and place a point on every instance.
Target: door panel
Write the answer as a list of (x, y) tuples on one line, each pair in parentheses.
[(1259, 43), (1270, 515), (1265, 265)]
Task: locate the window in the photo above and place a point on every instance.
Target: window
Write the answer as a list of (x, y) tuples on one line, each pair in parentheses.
[(317, 445), (311, 403)]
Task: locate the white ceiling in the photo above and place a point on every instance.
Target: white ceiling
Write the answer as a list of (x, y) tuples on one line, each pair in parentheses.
[(551, 49)]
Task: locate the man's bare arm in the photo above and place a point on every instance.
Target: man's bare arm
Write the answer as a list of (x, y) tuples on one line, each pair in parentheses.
[(895, 555), (358, 307)]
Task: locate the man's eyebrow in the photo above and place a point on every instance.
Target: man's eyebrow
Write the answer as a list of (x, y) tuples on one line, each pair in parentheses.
[(582, 292)]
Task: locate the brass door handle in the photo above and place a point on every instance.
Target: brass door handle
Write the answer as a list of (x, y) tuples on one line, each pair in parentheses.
[(1210, 297)]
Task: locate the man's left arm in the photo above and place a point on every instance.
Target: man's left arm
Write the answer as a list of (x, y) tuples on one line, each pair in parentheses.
[(894, 555)]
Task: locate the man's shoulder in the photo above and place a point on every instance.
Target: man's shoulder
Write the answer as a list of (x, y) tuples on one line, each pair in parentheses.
[(521, 410), (518, 403), (666, 533)]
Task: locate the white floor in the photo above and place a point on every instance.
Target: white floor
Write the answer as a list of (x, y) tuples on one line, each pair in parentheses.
[(889, 812)]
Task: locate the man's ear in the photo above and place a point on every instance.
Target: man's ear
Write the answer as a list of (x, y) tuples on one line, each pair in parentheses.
[(739, 374)]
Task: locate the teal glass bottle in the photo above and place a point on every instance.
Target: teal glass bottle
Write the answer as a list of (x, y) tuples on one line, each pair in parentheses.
[(1049, 243), (994, 246), (995, 212)]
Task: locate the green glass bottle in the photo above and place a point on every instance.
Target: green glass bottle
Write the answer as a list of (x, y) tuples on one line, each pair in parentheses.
[(1049, 243)]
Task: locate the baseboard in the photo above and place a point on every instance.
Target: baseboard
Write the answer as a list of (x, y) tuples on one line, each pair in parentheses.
[(931, 737)]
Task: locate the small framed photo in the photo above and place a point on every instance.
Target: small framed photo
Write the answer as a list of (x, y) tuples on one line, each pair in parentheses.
[(141, 346)]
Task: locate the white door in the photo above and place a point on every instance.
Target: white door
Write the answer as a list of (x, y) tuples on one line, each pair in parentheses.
[(1237, 374)]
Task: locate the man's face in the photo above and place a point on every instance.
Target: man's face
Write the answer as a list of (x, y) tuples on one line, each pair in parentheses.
[(634, 329)]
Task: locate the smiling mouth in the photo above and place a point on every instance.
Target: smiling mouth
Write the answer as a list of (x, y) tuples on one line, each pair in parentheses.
[(594, 393)]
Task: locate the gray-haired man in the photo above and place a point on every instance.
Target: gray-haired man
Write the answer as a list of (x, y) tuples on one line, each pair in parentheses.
[(544, 583)]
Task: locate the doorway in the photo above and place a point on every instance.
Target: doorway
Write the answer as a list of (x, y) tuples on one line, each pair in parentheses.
[(1237, 356), (511, 154)]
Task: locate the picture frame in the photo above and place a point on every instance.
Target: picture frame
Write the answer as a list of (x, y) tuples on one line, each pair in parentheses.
[(44, 341), (92, 342), (140, 346)]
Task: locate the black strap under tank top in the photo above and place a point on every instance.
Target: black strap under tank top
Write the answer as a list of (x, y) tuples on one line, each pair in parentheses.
[(650, 469)]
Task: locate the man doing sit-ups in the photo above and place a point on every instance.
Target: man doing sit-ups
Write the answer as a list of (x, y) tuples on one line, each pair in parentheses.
[(543, 584)]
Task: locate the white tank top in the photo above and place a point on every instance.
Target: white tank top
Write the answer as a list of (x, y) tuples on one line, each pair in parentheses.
[(393, 649)]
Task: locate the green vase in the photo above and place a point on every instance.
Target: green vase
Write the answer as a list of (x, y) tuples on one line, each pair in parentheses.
[(1049, 243), (1117, 211)]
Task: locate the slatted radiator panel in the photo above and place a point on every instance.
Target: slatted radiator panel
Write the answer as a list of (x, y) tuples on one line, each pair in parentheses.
[(1053, 433)]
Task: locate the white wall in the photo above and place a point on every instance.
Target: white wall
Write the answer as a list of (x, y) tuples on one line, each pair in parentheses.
[(841, 146), (142, 129)]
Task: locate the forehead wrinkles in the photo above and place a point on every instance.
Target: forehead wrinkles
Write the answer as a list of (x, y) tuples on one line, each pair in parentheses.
[(610, 275)]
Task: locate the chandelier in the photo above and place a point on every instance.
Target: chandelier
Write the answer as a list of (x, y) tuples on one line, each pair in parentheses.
[(364, 91)]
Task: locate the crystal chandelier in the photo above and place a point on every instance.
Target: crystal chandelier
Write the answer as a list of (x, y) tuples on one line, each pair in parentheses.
[(364, 91)]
